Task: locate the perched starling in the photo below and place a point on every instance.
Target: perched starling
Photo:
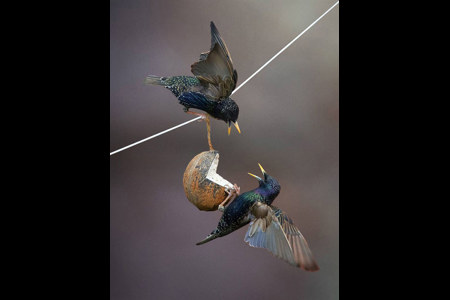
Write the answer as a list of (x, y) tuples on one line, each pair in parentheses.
[(209, 90), (270, 227)]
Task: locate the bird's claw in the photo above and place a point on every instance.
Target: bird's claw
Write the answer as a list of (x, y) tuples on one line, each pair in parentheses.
[(232, 192), (237, 189)]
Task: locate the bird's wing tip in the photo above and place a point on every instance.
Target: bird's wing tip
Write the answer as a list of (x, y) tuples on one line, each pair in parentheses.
[(312, 268), (213, 28)]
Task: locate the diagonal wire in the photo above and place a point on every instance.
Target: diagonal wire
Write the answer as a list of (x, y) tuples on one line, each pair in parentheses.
[(155, 135), (235, 90)]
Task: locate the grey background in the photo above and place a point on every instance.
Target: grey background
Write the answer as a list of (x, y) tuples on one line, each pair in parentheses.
[(289, 117)]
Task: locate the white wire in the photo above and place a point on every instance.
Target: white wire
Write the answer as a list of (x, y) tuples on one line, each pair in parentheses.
[(235, 90), (285, 47), (155, 135)]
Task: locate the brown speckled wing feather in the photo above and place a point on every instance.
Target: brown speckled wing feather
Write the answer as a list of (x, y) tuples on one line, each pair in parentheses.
[(215, 68), (265, 231), (300, 248)]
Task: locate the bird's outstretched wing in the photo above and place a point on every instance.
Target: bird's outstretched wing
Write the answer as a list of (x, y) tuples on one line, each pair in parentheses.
[(302, 254), (265, 231), (215, 68)]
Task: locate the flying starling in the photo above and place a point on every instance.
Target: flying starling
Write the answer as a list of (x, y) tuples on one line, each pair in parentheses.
[(209, 90), (270, 227)]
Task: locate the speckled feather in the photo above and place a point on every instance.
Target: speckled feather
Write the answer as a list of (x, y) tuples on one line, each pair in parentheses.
[(238, 212), (270, 227), (215, 79), (177, 84)]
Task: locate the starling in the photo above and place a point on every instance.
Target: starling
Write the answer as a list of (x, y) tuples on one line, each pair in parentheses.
[(270, 227), (209, 90)]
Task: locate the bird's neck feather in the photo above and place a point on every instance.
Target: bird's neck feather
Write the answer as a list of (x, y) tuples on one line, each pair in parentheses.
[(268, 194)]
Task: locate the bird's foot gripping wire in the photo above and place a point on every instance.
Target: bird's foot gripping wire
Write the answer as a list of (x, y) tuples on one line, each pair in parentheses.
[(202, 116), (232, 192)]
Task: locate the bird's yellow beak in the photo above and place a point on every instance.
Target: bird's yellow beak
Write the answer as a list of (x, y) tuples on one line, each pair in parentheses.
[(262, 170), (235, 125), (257, 177)]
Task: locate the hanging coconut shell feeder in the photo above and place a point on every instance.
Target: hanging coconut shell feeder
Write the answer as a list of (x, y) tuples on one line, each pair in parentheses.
[(203, 186)]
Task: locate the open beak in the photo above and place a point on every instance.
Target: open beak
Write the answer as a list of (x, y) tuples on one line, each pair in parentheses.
[(235, 125), (257, 177)]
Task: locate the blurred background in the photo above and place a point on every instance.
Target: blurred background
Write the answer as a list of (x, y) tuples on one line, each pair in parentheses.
[(289, 117)]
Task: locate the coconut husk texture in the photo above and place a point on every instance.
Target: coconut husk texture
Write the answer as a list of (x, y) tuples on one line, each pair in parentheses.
[(203, 186)]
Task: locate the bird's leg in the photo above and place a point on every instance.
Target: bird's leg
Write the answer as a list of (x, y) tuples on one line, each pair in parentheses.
[(232, 194), (224, 202), (208, 128)]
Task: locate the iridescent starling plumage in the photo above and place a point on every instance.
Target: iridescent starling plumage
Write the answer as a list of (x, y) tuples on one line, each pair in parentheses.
[(177, 84), (270, 227), (210, 89)]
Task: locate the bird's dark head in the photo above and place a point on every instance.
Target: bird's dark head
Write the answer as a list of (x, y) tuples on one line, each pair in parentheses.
[(269, 186), (228, 111)]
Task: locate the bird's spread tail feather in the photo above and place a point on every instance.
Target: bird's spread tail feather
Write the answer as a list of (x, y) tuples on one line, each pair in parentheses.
[(152, 79)]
